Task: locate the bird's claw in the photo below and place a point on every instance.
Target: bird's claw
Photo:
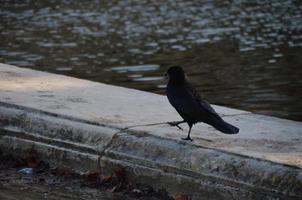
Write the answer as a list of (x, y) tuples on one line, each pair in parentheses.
[(175, 124), (187, 138), (178, 127)]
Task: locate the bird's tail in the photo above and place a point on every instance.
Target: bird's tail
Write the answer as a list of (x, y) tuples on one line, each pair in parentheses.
[(223, 126)]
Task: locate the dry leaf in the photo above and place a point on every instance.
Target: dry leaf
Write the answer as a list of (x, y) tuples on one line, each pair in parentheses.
[(180, 197)]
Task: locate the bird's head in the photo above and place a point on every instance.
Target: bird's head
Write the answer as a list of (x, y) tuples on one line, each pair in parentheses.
[(176, 75)]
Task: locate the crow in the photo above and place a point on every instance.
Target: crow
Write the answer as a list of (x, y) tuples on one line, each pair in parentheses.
[(190, 105)]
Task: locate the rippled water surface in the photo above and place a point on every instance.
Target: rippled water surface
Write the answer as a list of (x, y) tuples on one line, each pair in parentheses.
[(244, 54)]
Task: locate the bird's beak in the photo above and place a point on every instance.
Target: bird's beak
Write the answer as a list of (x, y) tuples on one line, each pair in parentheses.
[(166, 76)]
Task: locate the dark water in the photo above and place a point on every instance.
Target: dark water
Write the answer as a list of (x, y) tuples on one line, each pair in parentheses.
[(244, 54)]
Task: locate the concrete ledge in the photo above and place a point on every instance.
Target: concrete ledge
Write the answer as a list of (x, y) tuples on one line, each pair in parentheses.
[(92, 126), (200, 171), (60, 140)]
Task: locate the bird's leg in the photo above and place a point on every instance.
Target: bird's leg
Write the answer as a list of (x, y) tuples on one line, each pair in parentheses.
[(176, 124), (188, 137)]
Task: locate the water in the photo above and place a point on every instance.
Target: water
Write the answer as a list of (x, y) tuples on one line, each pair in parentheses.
[(240, 53)]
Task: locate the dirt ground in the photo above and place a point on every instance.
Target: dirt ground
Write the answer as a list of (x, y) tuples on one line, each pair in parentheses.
[(30, 179)]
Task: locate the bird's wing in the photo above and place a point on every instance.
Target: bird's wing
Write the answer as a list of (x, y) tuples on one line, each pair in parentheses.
[(183, 102), (203, 103)]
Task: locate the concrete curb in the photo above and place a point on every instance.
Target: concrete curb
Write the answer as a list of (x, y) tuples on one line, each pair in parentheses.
[(176, 166), (92, 132)]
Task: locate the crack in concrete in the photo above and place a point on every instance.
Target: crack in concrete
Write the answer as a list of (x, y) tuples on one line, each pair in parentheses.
[(230, 115)]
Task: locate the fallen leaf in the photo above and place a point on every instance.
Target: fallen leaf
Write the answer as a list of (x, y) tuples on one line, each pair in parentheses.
[(92, 174), (107, 179), (31, 158), (120, 174), (180, 197), (62, 171)]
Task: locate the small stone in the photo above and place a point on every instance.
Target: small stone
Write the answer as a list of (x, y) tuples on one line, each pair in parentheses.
[(272, 61), (137, 192)]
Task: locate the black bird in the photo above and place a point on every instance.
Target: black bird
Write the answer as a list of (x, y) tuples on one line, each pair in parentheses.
[(190, 105)]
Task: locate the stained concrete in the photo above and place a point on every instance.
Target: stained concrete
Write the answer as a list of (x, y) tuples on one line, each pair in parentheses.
[(86, 125)]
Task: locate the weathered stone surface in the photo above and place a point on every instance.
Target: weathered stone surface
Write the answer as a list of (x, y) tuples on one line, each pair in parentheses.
[(53, 154), (53, 128), (224, 171), (86, 125)]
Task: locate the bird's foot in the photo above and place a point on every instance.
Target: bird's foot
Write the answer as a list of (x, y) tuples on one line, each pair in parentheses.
[(187, 138), (175, 124)]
